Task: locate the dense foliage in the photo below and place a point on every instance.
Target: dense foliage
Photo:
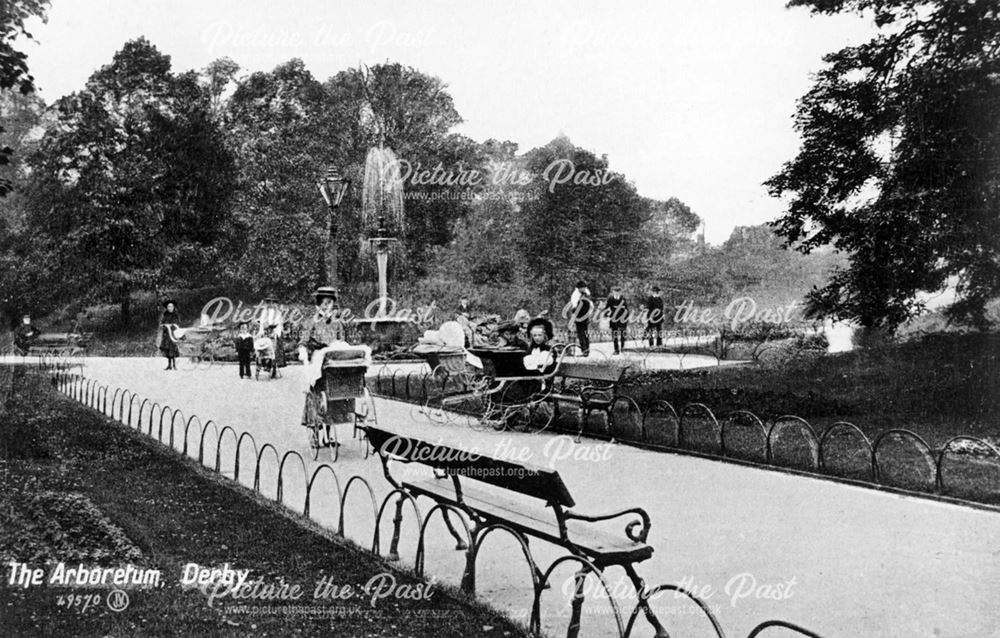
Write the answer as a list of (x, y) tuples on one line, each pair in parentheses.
[(151, 181), (898, 165)]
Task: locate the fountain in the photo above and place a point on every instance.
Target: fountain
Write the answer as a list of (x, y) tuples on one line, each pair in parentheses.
[(382, 222)]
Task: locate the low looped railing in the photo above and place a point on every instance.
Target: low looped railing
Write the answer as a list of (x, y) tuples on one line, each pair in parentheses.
[(841, 451), (85, 391)]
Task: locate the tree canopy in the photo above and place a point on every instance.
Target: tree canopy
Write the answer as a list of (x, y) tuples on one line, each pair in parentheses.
[(130, 185), (898, 166), (14, 73), (150, 179)]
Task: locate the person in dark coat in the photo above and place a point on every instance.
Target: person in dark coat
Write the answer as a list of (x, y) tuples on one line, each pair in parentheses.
[(168, 322), (25, 335), (617, 309), (580, 311), (244, 350), (654, 317), (510, 336), (465, 308)]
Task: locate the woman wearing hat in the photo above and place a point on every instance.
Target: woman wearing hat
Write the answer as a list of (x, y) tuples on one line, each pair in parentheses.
[(169, 322), (325, 333), (325, 327), (510, 336)]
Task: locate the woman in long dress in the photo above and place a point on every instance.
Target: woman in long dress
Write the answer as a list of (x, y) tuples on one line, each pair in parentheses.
[(168, 323)]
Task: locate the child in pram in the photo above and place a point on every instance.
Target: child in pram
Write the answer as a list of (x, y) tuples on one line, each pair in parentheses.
[(264, 353)]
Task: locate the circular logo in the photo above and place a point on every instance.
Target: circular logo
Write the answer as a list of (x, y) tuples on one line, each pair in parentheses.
[(117, 600)]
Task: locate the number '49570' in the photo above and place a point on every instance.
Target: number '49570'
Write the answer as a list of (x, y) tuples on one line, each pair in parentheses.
[(79, 602)]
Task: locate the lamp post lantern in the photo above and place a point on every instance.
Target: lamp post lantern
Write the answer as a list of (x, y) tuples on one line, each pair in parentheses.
[(332, 188)]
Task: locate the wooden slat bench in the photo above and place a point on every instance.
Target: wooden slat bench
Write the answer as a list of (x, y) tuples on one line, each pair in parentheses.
[(589, 386), (60, 342), (530, 500)]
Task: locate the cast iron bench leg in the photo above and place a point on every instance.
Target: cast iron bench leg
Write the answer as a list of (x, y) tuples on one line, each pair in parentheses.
[(581, 421), (468, 584), (459, 541), (396, 522), (640, 588), (573, 631)]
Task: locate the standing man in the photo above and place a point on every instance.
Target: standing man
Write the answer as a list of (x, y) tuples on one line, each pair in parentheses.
[(654, 320), (581, 307), (617, 317), (25, 335)]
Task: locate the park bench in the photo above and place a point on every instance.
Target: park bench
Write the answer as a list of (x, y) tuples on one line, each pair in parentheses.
[(589, 386), (66, 343), (526, 500)]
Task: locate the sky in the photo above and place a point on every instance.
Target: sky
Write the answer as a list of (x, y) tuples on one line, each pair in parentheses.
[(688, 98)]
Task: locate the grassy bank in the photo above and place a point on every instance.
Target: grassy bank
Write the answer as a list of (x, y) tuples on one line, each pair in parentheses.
[(938, 386), (78, 488)]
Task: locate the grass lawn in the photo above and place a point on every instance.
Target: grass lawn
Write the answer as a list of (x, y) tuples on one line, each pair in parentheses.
[(79, 488), (939, 386)]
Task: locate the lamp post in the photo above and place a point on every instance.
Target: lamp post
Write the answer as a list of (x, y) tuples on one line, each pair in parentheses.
[(332, 187)]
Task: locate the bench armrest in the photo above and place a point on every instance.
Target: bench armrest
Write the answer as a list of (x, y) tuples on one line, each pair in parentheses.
[(643, 525), (599, 392)]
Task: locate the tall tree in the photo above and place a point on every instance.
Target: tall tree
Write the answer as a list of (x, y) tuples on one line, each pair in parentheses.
[(412, 113), (670, 228), (133, 179), (14, 73), (898, 164), (582, 220), (282, 134)]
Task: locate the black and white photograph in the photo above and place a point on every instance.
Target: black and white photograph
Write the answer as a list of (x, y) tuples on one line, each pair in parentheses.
[(459, 318)]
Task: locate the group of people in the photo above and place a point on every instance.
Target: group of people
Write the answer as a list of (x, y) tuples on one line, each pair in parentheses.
[(581, 309), (260, 342), (523, 332), (263, 339)]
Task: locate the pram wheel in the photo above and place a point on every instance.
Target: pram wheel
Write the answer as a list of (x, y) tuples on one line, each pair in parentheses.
[(268, 367), (321, 436), (524, 406), (312, 420), (364, 414)]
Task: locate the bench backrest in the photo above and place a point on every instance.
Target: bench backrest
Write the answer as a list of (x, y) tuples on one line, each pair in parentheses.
[(573, 370), (530, 480)]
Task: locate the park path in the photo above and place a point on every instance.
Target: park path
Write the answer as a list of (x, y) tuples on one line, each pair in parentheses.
[(838, 559)]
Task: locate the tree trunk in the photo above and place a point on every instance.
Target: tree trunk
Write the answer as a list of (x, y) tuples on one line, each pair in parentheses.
[(126, 307)]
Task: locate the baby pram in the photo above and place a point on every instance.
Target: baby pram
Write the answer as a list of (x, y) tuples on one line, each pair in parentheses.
[(263, 348), (339, 396)]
